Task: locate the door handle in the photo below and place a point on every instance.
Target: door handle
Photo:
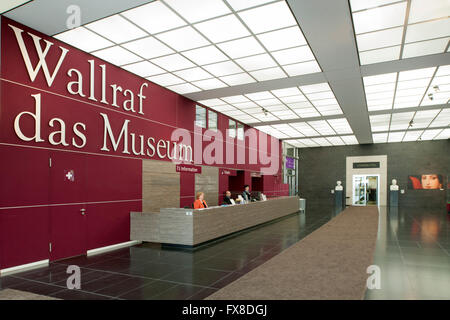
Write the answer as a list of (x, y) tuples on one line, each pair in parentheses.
[(83, 211)]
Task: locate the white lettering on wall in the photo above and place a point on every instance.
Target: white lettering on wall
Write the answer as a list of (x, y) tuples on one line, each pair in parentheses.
[(37, 120), (61, 133), (41, 55), (115, 143)]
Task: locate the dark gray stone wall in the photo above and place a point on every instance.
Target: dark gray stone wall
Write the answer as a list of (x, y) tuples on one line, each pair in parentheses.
[(320, 168)]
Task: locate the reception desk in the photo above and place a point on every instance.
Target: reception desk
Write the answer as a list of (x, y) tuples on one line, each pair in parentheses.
[(191, 227)]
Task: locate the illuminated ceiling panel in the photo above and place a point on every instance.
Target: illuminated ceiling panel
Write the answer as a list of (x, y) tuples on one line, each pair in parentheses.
[(392, 30), (231, 42)]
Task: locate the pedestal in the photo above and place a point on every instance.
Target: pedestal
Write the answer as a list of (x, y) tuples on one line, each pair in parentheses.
[(339, 199), (393, 198)]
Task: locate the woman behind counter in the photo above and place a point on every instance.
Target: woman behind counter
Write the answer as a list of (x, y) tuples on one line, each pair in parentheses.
[(200, 203)]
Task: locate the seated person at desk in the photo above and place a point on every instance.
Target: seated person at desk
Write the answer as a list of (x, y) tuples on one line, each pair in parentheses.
[(246, 194), (200, 203), (227, 199)]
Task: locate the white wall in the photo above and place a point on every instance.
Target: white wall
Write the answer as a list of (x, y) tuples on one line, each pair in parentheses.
[(382, 171)]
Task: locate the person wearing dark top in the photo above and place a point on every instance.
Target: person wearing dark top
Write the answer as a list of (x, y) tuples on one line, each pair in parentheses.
[(246, 194), (227, 198)]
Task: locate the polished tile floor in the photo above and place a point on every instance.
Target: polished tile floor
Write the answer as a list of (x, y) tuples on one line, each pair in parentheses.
[(150, 272), (412, 252)]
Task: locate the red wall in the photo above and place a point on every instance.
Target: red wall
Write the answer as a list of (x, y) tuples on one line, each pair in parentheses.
[(38, 203)]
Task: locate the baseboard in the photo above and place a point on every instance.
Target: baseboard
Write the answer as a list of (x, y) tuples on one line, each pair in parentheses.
[(113, 247), (24, 267)]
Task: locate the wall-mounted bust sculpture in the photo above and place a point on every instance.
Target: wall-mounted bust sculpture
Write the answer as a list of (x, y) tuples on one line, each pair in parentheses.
[(394, 185), (339, 186)]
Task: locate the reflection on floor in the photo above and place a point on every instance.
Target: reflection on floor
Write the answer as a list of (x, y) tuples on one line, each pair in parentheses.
[(149, 272), (412, 251), (413, 254)]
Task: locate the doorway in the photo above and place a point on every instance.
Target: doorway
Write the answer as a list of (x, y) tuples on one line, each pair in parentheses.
[(365, 190)]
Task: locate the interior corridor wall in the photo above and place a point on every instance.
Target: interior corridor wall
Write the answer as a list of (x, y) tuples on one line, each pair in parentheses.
[(320, 168), (74, 143)]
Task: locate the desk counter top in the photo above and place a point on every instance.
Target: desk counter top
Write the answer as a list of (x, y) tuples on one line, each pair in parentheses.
[(191, 227)]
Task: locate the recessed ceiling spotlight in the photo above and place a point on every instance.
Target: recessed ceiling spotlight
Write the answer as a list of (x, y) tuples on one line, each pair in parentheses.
[(430, 96), (436, 88)]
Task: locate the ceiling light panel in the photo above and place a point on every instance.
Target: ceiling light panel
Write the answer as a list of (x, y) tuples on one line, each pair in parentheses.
[(84, 39), (212, 102), (286, 92), (305, 129), (424, 48), (430, 134), (413, 88), (336, 141), (379, 55), (400, 121), (395, 136), (349, 140), (442, 119), (380, 122), (143, 69), (193, 74), (294, 99), (223, 108), (380, 137), (423, 10), (242, 47), (293, 55), (412, 135), (268, 74), (308, 142), (173, 62), (166, 79), (235, 99), (268, 102), (282, 39), (148, 48), (183, 39), (256, 62), (302, 68), (269, 17), (240, 5), (358, 5), (117, 55), (222, 29), (198, 10), (209, 84), (184, 88), (427, 30), (233, 41), (320, 87), (341, 126), (154, 17), (205, 55), (380, 25), (223, 68), (379, 18), (322, 127), (116, 29), (237, 79), (380, 39), (422, 119), (322, 142), (444, 134)]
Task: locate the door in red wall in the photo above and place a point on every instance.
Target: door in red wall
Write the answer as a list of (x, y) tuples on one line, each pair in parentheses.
[(68, 220)]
